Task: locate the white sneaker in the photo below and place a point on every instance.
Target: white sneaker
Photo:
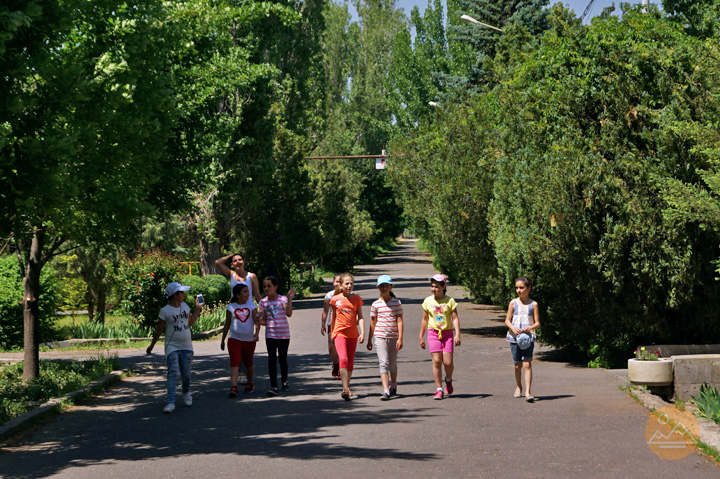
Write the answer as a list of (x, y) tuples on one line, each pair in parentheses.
[(243, 379), (188, 399), (169, 408)]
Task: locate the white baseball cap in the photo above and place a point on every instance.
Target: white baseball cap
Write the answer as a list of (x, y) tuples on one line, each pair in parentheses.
[(174, 287)]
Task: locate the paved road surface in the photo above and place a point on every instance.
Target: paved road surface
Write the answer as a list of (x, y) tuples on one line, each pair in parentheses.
[(581, 426)]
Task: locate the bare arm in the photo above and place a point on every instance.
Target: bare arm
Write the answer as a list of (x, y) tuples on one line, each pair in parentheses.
[(288, 305), (221, 263), (361, 323), (256, 287), (399, 343), (508, 319), (423, 328), (536, 317), (456, 325), (256, 320), (326, 308), (196, 313), (373, 323), (226, 328), (156, 335)]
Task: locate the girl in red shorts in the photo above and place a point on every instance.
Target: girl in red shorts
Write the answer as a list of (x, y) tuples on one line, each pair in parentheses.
[(241, 320), (440, 317), (347, 315)]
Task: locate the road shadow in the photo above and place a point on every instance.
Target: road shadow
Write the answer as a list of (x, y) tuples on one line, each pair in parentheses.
[(487, 331), (560, 356), (553, 398), (301, 425)]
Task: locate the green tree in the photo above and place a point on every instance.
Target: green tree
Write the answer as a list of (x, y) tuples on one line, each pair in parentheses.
[(86, 111), (589, 165), (699, 18)]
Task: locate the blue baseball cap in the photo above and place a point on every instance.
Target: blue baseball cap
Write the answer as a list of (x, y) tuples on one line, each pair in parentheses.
[(384, 279)]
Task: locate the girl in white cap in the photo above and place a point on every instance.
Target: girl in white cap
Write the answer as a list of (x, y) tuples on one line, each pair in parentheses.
[(440, 317), (175, 319), (386, 326)]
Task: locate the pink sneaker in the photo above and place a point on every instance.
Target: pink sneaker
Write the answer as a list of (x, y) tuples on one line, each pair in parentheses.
[(448, 387), (438, 395)]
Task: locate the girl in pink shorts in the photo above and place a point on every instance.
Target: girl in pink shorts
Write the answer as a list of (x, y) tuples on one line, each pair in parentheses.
[(440, 318)]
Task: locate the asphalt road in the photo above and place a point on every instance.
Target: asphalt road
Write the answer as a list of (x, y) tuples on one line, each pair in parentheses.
[(582, 424)]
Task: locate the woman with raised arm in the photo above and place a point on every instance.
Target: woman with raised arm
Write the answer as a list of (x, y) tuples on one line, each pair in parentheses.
[(232, 266)]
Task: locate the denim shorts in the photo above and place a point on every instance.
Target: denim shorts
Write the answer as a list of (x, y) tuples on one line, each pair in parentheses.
[(520, 355)]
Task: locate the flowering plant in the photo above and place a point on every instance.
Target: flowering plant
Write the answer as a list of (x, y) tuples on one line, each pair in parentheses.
[(646, 355)]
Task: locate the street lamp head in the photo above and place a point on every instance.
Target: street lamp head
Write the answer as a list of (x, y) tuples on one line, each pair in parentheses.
[(470, 19)]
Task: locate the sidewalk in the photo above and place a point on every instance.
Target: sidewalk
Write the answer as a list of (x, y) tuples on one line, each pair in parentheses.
[(581, 424)]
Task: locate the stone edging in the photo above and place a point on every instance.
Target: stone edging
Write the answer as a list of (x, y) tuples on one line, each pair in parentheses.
[(98, 341), (709, 431)]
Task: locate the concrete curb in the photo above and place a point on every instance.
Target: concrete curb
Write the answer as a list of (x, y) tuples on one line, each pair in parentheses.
[(709, 431), (24, 420), (99, 341)]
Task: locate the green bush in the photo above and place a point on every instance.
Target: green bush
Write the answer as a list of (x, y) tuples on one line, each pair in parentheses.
[(209, 319), (11, 312), (94, 330), (586, 125), (708, 403), (215, 289), (56, 378), (141, 284)]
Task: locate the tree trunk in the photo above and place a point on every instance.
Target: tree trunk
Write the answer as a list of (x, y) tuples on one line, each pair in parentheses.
[(209, 252), (101, 305), (90, 305), (31, 288)]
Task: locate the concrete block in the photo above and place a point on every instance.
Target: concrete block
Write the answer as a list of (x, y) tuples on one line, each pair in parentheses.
[(691, 371)]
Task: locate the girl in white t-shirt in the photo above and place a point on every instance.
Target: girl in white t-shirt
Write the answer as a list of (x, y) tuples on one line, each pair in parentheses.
[(175, 319), (522, 318), (241, 321)]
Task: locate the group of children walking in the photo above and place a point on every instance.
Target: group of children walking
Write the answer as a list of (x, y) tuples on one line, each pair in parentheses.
[(344, 325)]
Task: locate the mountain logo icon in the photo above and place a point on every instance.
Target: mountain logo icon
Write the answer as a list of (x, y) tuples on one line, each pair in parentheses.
[(671, 433)]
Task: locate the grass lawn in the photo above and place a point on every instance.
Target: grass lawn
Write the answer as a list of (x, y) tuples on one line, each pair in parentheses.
[(65, 321)]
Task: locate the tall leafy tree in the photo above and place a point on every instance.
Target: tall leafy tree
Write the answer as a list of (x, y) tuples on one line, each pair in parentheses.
[(86, 108), (226, 86)]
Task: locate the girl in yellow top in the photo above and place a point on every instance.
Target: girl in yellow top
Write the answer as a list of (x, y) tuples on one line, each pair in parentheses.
[(440, 317)]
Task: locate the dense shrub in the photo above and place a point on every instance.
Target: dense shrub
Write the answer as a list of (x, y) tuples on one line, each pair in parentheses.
[(215, 289), (560, 170), (141, 284), (56, 378), (95, 329), (11, 312)]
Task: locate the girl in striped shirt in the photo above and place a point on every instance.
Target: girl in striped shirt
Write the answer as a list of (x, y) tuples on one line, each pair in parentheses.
[(386, 326), (275, 309)]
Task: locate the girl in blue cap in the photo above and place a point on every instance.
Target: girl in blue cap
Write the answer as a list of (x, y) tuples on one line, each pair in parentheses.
[(386, 326), (522, 319)]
